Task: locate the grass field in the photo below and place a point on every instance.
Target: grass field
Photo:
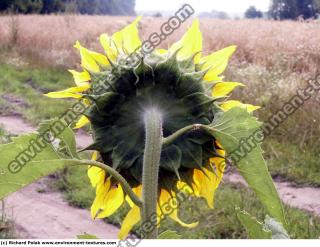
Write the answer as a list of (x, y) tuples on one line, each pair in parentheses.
[(36, 51)]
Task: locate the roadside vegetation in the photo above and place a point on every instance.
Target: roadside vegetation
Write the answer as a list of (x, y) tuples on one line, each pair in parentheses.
[(220, 222), (6, 226), (22, 89)]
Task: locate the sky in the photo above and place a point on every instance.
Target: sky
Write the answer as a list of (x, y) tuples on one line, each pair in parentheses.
[(229, 6)]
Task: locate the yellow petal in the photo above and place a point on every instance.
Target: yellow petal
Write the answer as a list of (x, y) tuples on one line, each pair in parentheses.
[(82, 122), (88, 62), (112, 201), (184, 187), (80, 78), (202, 183), (69, 92), (63, 94), (99, 58), (79, 89), (207, 182), (127, 39), (226, 106), (170, 210), (174, 216), (102, 190), (94, 155), (106, 43), (190, 43), (219, 144), (222, 89), (96, 175), (162, 51), (220, 165), (217, 62), (131, 219)]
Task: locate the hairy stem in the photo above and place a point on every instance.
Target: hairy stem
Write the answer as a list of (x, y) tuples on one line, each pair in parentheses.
[(150, 174)]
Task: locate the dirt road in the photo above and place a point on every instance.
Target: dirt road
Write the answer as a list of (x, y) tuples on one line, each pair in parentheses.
[(39, 213)]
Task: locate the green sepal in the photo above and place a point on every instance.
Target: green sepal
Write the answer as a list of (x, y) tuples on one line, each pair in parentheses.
[(171, 159)]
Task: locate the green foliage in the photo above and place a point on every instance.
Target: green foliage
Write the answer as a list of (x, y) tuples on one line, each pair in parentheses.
[(91, 7), (253, 13), (22, 6), (22, 89), (289, 161), (106, 7), (292, 9), (53, 6), (230, 129)]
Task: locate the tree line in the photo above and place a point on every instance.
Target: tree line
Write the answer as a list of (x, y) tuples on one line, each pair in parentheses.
[(91, 7), (288, 9)]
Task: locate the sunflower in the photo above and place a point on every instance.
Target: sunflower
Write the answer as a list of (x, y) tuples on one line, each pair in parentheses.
[(186, 87)]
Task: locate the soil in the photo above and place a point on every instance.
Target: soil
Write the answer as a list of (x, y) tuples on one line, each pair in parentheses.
[(39, 213)]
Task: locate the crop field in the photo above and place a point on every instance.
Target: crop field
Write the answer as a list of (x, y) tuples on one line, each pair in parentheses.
[(273, 59)]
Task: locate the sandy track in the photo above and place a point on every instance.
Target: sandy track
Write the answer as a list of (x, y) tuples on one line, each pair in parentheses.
[(17, 126), (47, 215)]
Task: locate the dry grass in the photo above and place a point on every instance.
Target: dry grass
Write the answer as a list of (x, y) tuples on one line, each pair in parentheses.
[(273, 58), (49, 39)]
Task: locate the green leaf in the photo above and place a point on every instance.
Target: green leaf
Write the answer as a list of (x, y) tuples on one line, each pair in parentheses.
[(87, 236), (254, 228), (65, 135), (14, 174), (169, 235), (26, 159), (230, 128)]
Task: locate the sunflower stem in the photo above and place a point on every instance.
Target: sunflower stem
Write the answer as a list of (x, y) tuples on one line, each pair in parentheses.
[(150, 174), (126, 187), (170, 139)]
